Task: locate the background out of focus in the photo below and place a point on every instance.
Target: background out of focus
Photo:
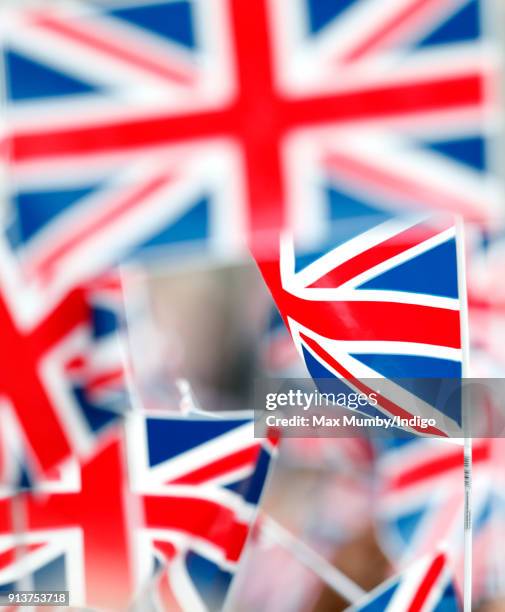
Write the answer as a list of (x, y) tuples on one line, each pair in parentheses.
[(173, 141)]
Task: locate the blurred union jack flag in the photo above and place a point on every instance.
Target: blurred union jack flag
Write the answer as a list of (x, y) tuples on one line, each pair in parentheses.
[(177, 521), (420, 502), (63, 374), (152, 123), (350, 308), (426, 586)]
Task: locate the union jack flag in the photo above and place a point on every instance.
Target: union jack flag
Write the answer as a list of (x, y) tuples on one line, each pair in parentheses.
[(425, 586), (382, 300), (212, 475), (178, 523), (495, 574), (420, 503), (194, 117), (63, 373)]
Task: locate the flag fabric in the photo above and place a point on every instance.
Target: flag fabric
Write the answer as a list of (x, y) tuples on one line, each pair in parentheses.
[(63, 232), (426, 586), (420, 503), (210, 477), (494, 579), (280, 359), (63, 372), (350, 308), (155, 123), (104, 368), (174, 521)]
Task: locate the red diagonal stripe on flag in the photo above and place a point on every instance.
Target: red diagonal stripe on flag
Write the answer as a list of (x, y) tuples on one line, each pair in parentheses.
[(432, 575), (392, 27), (97, 40), (401, 188), (383, 402), (214, 469), (426, 470), (112, 211), (379, 253), (13, 554)]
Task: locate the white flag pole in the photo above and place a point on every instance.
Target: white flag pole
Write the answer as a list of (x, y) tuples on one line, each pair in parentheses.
[(468, 533), (467, 444), (330, 575)]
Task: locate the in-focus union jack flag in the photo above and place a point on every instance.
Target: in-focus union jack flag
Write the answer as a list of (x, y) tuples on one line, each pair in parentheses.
[(142, 124), (176, 520), (382, 300), (424, 587)]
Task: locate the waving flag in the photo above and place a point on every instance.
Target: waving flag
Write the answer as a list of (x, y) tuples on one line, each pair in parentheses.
[(177, 523), (424, 586), (381, 301), (156, 123), (210, 478)]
